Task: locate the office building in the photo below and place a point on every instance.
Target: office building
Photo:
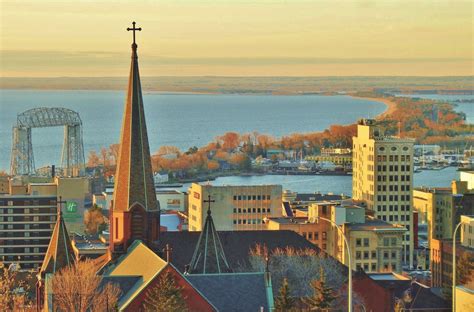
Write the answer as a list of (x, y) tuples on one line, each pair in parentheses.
[(375, 245), (235, 207), (383, 178)]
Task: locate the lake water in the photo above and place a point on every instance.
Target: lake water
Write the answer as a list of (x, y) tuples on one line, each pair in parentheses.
[(334, 184), (182, 120)]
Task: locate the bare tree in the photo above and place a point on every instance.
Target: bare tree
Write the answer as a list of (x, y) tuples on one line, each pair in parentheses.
[(78, 288), (13, 290)]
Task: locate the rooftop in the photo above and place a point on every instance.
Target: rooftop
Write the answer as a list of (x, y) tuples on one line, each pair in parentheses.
[(170, 192), (375, 225), (294, 220), (232, 291)]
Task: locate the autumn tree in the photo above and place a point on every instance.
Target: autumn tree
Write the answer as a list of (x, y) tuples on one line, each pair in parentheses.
[(93, 160), (3, 173), (212, 165), (165, 296), (229, 141), (284, 301), (94, 220), (323, 294), (78, 288)]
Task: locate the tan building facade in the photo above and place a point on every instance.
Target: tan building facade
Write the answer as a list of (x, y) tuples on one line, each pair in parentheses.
[(383, 178), (235, 207), (435, 209), (467, 231)]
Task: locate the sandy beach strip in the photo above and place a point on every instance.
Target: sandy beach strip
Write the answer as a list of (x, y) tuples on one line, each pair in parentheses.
[(391, 106)]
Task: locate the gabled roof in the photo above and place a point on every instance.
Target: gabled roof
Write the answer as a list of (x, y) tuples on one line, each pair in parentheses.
[(236, 245), (233, 291), (134, 177), (209, 256), (138, 261), (60, 252)]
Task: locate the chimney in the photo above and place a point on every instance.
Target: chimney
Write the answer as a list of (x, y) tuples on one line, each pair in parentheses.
[(53, 171)]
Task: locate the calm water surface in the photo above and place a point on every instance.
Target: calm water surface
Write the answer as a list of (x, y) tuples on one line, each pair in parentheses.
[(183, 120), (334, 184)]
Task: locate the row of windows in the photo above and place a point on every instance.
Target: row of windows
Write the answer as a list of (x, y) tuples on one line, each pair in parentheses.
[(393, 158), (392, 168), (251, 197), (393, 148), (393, 207), (390, 241), (251, 210), (34, 226), (359, 242), (26, 250), (373, 266), (394, 218), (28, 210), (392, 178), (27, 218), (22, 202), (393, 188), (365, 254), (314, 235), (392, 198), (248, 221)]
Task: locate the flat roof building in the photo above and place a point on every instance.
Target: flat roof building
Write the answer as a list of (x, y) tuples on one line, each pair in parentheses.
[(26, 225), (235, 207)]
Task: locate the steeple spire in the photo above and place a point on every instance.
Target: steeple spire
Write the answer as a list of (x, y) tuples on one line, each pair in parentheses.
[(209, 256), (60, 253), (135, 208)]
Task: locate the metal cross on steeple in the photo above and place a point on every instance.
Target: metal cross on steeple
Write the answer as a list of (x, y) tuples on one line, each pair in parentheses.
[(60, 203), (134, 29), (209, 201)]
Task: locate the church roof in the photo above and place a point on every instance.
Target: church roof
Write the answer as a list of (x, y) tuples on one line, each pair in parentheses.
[(233, 291), (60, 252), (209, 256), (236, 245), (134, 176)]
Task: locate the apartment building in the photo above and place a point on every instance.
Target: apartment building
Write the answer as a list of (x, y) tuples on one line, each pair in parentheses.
[(234, 207), (26, 224)]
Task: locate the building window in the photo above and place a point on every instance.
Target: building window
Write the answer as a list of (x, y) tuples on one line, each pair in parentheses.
[(374, 254), (324, 235), (366, 242), (385, 254), (386, 242), (358, 242), (366, 255), (373, 267), (358, 255), (366, 267)]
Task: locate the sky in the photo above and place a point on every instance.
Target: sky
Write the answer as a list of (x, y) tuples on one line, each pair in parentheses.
[(88, 38)]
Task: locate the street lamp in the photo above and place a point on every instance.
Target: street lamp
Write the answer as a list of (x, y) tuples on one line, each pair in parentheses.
[(349, 291), (454, 265)]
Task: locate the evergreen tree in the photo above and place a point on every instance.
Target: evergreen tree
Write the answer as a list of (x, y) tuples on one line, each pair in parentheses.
[(323, 295), (284, 301), (165, 296)]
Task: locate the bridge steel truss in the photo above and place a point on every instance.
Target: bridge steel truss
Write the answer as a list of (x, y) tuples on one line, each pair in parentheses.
[(72, 156)]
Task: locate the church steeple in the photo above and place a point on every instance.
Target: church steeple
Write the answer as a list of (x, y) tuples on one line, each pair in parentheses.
[(60, 253), (209, 256), (135, 208)]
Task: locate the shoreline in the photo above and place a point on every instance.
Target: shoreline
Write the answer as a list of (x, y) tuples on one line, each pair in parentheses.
[(391, 106)]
